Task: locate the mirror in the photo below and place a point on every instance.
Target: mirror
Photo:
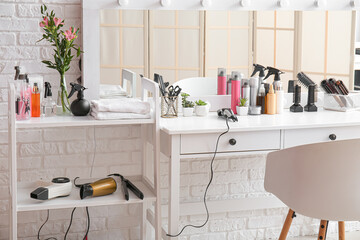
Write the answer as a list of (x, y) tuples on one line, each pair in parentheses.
[(184, 44)]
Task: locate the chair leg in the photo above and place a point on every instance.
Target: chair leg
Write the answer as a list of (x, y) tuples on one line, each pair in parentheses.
[(287, 224), (341, 230), (323, 229)]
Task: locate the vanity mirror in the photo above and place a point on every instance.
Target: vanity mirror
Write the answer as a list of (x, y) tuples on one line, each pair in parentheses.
[(181, 44)]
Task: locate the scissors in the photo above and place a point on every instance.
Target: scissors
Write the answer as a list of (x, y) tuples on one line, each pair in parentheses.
[(174, 91)]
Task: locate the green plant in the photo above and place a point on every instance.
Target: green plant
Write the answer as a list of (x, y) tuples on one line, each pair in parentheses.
[(200, 103), (188, 104), (184, 98), (242, 102)]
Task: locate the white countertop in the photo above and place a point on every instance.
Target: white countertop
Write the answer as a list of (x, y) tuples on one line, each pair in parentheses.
[(287, 120)]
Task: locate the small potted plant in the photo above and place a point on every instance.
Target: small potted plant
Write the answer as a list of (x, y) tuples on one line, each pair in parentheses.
[(242, 109), (202, 108), (188, 106)]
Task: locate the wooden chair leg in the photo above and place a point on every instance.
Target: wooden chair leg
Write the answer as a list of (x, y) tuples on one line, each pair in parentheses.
[(287, 224), (323, 229), (341, 230)]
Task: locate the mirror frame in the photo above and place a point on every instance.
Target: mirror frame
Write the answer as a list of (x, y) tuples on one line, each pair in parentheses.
[(91, 22)]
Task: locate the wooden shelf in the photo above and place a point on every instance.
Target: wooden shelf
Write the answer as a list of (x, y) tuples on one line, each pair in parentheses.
[(72, 121), (25, 203)]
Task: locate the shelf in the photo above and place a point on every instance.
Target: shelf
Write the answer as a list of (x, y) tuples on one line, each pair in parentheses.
[(71, 121), (25, 203)]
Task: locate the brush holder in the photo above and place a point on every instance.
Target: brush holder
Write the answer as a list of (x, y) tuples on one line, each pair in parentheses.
[(342, 103), (169, 107)]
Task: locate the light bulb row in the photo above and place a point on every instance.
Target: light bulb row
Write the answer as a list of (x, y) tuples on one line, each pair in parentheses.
[(247, 3)]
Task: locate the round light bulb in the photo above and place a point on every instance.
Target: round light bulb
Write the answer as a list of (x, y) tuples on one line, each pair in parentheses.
[(123, 2), (165, 3), (206, 3), (245, 3), (320, 3), (283, 3)]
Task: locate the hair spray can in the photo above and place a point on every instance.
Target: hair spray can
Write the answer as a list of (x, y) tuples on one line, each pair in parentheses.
[(221, 90), (235, 92)]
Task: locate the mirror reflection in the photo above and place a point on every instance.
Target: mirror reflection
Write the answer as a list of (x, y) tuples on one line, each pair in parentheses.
[(185, 44)]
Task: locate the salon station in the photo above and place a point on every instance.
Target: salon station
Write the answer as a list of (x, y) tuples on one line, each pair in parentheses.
[(246, 113)]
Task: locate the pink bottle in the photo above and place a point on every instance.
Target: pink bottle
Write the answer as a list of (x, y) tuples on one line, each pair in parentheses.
[(235, 92), (221, 81)]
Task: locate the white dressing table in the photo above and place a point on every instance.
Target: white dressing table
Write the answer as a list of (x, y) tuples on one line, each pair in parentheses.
[(183, 138)]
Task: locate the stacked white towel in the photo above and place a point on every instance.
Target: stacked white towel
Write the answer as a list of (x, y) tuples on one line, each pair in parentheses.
[(112, 91), (120, 108)]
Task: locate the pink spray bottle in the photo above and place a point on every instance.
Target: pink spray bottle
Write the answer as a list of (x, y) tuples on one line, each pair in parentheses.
[(221, 81), (235, 92)]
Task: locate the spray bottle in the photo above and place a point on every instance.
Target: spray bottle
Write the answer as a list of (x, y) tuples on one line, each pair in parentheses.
[(48, 105), (279, 98), (276, 72), (22, 106), (80, 106), (261, 69), (221, 90)]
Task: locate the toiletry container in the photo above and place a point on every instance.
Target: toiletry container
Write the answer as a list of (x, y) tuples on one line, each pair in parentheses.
[(253, 90), (271, 101), (235, 92), (35, 101), (40, 84), (48, 105), (279, 98), (24, 108), (228, 85), (260, 101), (221, 81), (246, 91)]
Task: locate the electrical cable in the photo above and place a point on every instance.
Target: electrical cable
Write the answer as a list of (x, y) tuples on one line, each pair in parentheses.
[(47, 218), (207, 187), (88, 225), (71, 219)]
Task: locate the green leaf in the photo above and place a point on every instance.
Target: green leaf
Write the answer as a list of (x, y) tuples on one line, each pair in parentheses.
[(78, 52), (45, 7), (42, 10)]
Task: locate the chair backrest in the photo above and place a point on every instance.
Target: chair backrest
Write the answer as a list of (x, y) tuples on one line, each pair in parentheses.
[(198, 86), (317, 180), (129, 76)]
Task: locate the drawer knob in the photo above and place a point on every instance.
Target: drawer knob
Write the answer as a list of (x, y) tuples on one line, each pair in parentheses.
[(332, 137), (232, 142)]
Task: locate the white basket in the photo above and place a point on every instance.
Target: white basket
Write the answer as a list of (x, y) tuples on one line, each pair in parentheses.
[(342, 103)]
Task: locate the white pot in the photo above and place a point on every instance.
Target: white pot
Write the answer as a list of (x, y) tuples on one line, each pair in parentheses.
[(202, 111), (242, 111), (188, 112)]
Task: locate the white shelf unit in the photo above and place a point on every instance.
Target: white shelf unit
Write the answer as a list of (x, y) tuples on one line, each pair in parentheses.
[(20, 192)]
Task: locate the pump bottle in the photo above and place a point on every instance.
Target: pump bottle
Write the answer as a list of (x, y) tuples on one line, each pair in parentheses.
[(271, 101)]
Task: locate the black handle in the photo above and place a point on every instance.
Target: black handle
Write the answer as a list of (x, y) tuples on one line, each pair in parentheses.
[(332, 137), (232, 141)]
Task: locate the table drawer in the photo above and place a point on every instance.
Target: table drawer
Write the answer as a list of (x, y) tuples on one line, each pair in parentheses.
[(245, 141), (316, 135)]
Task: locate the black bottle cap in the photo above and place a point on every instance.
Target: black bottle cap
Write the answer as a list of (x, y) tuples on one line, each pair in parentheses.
[(60, 180), (40, 193), (48, 92), (86, 190)]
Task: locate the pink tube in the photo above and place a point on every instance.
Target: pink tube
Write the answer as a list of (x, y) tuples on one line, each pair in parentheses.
[(221, 85), (235, 94)]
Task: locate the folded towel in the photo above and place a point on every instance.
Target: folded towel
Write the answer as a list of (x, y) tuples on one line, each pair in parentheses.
[(117, 115), (111, 91), (123, 105)]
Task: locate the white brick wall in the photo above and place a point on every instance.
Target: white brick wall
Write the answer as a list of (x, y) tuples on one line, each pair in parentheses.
[(46, 153)]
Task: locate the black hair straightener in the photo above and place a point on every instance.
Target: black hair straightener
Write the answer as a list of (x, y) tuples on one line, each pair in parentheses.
[(227, 113), (126, 184)]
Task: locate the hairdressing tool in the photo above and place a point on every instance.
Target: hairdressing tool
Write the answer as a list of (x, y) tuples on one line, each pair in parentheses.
[(342, 87), (59, 187), (276, 72), (80, 106), (310, 107), (332, 83), (227, 113), (296, 107), (174, 91), (291, 85), (101, 187), (304, 79), (261, 69), (126, 184), (325, 85)]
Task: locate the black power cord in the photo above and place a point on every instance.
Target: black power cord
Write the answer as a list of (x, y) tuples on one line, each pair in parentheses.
[(47, 219), (71, 219), (207, 187)]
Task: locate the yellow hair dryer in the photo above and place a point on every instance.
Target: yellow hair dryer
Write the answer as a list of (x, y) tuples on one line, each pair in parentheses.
[(101, 187)]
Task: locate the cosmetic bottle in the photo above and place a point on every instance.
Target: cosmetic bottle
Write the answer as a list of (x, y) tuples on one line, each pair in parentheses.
[(21, 96), (271, 101), (228, 85), (48, 105), (260, 101), (296, 107), (25, 96), (221, 81), (35, 101), (235, 92), (259, 68), (267, 87), (279, 98), (276, 72), (246, 92), (254, 89)]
